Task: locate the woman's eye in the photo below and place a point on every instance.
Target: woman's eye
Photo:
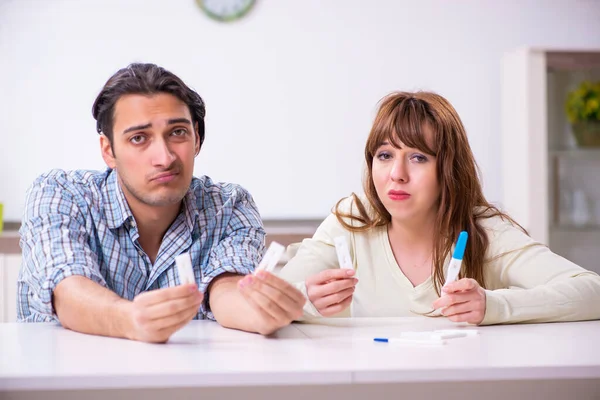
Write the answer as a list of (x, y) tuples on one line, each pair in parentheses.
[(419, 158), (384, 156)]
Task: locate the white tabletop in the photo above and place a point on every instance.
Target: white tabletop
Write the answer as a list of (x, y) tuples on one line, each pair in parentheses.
[(46, 356)]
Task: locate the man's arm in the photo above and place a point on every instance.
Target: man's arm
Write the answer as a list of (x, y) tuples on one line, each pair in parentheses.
[(60, 278), (260, 303), (85, 306), (236, 297)]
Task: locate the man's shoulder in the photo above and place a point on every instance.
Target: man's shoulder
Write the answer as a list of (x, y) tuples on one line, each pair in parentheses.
[(63, 191), (75, 179), (82, 186), (215, 194)]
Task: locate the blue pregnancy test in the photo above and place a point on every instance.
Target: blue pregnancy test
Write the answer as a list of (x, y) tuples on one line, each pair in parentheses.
[(457, 257)]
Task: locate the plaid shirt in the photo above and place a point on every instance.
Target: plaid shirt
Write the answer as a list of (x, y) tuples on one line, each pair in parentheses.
[(79, 223)]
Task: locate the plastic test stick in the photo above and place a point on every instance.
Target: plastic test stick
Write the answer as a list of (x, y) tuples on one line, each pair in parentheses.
[(457, 257), (271, 257), (184, 268), (409, 340), (464, 332), (439, 335), (343, 253), (428, 337)]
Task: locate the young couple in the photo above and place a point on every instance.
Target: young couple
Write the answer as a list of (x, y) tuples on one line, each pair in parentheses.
[(99, 247)]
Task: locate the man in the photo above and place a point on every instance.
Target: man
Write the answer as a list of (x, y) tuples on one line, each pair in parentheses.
[(99, 247)]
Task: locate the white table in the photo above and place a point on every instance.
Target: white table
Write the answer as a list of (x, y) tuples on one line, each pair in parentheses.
[(304, 361)]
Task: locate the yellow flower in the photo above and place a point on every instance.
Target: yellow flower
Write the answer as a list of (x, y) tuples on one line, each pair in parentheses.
[(583, 103)]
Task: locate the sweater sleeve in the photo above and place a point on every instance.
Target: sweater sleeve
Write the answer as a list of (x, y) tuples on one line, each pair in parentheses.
[(530, 283), (315, 255)]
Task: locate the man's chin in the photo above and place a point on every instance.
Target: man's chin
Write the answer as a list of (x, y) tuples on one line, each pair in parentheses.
[(164, 200)]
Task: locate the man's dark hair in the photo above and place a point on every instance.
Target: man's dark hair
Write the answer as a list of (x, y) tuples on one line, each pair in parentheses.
[(144, 79)]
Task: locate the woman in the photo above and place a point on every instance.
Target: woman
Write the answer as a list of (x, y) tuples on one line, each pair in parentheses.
[(422, 190)]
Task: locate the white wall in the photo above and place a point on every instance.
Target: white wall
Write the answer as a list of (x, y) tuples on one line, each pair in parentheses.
[(290, 90)]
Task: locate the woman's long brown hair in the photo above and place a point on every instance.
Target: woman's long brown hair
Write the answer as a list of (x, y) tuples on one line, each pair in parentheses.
[(402, 120)]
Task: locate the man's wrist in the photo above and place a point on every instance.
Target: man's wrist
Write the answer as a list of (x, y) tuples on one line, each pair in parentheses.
[(123, 325)]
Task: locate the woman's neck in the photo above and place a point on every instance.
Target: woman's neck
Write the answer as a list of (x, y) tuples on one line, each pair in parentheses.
[(417, 236)]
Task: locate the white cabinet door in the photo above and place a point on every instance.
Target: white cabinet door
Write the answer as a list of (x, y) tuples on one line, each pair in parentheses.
[(9, 270), (524, 140)]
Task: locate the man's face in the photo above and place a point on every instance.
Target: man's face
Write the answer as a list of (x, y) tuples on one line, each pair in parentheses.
[(154, 146)]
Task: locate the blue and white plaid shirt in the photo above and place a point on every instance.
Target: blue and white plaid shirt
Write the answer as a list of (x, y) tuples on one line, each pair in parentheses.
[(79, 223)]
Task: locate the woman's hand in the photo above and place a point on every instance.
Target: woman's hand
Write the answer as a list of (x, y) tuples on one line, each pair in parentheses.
[(462, 301), (330, 291)]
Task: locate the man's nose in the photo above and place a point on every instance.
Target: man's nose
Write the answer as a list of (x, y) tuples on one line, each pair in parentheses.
[(162, 156)]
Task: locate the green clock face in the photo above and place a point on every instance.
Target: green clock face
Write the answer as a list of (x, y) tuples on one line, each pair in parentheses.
[(226, 10)]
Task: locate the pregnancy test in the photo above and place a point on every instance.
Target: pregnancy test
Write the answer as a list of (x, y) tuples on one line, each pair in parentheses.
[(271, 257), (428, 337), (184, 268), (457, 257), (409, 340), (464, 332), (343, 253)]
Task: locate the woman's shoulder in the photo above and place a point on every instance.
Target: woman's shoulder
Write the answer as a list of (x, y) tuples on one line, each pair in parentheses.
[(353, 209), (494, 220), (348, 213), (504, 233)]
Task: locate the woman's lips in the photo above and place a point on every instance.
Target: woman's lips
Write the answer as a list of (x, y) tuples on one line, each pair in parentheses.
[(398, 195)]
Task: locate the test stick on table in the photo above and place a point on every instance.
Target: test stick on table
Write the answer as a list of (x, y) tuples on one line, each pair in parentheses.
[(343, 253), (184, 268), (409, 340), (272, 257)]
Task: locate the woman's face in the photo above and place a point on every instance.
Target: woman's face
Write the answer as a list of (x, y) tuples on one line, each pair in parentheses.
[(406, 182)]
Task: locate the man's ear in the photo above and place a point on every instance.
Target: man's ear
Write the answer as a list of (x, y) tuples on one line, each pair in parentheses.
[(197, 145), (107, 152)]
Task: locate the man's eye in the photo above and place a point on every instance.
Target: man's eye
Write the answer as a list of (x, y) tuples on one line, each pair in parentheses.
[(179, 132), (137, 139)]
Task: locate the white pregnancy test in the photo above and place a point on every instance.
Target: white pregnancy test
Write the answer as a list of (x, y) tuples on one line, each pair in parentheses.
[(428, 337), (433, 335), (343, 253), (184, 268), (457, 257), (409, 340), (463, 332), (272, 257)]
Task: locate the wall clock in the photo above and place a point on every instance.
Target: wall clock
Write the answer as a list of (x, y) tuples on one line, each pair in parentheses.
[(226, 10)]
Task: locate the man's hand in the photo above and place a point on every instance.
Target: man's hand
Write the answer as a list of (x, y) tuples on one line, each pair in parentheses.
[(276, 302), (157, 314), (330, 291), (463, 301)]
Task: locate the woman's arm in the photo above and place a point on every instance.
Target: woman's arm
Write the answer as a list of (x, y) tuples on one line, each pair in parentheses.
[(314, 256), (529, 283)]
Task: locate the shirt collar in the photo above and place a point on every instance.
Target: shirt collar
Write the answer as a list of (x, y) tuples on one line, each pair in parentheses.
[(190, 207), (117, 210)]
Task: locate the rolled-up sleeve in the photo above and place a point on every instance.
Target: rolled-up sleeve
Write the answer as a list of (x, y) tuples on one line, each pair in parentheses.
[(241, 245), (54, 242)]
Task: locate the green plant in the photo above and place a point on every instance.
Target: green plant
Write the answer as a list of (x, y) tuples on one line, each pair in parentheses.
[(583, 103)]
